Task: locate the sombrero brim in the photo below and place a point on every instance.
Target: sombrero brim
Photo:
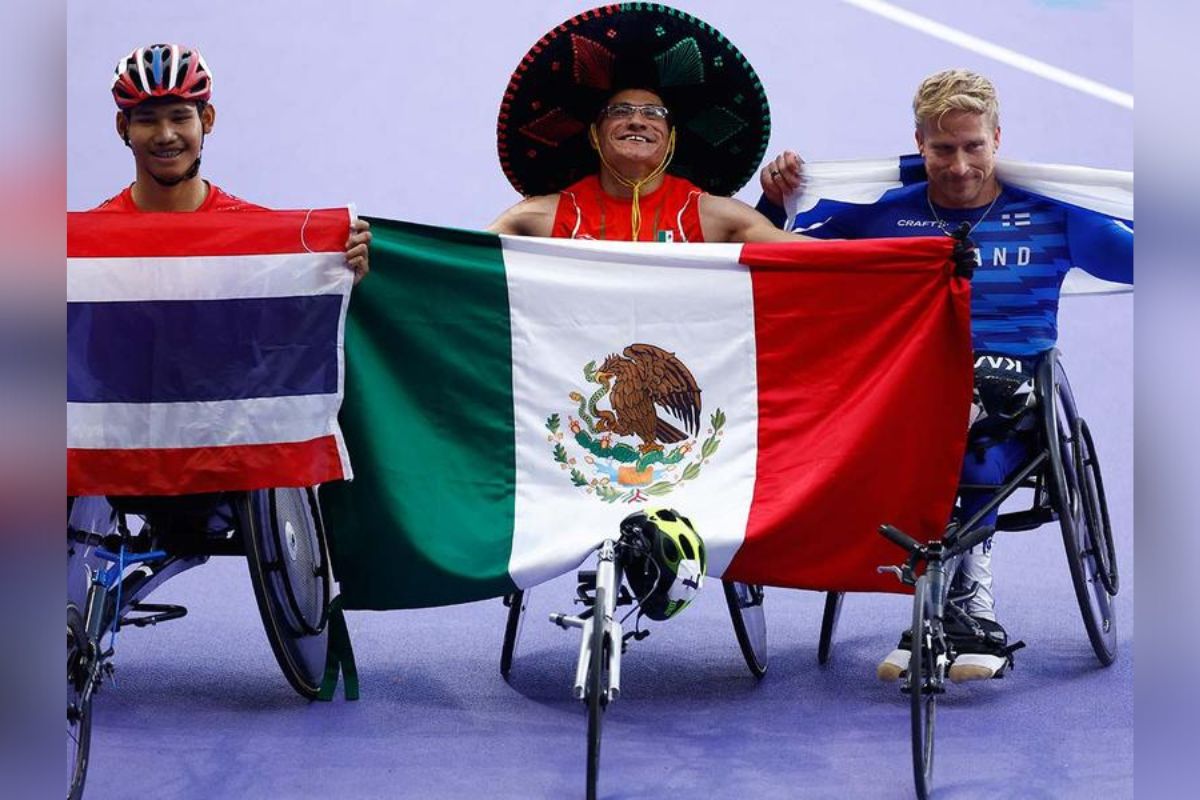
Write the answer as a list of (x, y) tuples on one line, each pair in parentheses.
[(718, 105)]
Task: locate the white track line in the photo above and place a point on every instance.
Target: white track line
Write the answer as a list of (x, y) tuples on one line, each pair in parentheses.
[(991, 50)]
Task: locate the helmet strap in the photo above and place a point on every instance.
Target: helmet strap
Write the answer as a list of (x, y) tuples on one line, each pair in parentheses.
[(192, 172)]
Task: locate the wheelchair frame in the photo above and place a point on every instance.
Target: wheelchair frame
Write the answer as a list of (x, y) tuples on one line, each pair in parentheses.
[(744, 601), (274, 528), (602, 641), (598, 670), (1065, 476)]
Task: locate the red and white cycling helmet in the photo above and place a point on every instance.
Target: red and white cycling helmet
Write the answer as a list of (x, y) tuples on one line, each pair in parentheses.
[(161, 70)]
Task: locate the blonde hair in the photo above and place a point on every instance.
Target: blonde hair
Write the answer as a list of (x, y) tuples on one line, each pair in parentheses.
[(955, 90)]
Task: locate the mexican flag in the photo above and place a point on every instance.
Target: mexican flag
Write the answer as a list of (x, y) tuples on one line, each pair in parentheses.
[(510, 400)]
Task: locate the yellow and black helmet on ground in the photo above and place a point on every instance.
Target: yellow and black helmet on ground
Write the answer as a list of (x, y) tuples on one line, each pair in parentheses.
[(664, 560)]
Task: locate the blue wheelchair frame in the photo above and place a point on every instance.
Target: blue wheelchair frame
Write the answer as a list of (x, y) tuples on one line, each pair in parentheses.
[(281, 534)]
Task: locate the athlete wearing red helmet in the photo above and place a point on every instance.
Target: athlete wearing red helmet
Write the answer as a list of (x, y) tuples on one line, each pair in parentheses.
[(161, 70), (162, 94)]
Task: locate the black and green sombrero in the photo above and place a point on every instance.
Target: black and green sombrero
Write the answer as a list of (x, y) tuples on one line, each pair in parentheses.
[(717, 103)]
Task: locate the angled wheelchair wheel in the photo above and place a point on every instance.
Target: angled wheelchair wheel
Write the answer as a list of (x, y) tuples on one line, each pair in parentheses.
[(924, 687), (79, 704), (1084, 532), (829, 621), (516, 603), (1095, 508), (288, 558), (745, 603), (597, 701)]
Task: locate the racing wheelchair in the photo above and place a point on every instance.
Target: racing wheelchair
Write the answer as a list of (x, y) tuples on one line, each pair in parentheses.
[(656, 567), (744, 600), (1063, 471), (129, 546)]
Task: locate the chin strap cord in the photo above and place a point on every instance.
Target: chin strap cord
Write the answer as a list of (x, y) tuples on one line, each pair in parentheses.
[(192, 172), (635, 214)]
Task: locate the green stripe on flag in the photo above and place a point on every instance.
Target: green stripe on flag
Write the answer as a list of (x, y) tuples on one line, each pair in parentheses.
[(428, 519)]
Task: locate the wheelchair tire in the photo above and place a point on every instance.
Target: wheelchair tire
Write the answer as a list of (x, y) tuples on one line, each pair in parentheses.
[(1095, 506), (923, 690), (745, 603), (513, 626), (79, 704), (1063, 436), (595, 691), (829, 622), (288, 558)]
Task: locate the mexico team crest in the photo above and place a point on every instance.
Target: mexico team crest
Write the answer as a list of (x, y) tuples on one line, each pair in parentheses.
[(634, 432)]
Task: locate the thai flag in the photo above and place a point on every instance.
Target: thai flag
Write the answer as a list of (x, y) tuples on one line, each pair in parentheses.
[(205, 351)]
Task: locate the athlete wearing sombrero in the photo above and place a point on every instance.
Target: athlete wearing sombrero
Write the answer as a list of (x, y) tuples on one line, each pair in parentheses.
[(634, 122)]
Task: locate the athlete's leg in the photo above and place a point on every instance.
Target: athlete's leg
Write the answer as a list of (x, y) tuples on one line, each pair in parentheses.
[(979, 638), (992, 464), (980, 641)]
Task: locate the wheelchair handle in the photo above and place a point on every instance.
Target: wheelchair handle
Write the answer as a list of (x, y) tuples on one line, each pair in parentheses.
[(900, 538)]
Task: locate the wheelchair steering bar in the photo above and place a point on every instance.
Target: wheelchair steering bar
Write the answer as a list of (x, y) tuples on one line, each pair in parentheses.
[(900, 538)]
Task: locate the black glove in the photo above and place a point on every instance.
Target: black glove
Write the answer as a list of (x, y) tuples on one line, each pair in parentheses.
[(964, 252)]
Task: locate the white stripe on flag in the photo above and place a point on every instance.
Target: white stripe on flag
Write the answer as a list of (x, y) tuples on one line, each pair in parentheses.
[(259, 420), (572, 302), (1077, 283), (1106, 191), (854, 181), (207, 277)]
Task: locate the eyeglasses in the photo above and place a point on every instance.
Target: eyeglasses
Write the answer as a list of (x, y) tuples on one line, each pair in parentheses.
[(626, 110)]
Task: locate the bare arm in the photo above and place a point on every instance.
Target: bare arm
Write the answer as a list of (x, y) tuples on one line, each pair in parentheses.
[(533, 216), (724, 219)]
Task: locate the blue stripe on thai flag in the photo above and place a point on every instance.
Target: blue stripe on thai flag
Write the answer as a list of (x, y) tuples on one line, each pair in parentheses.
[(201, 350)]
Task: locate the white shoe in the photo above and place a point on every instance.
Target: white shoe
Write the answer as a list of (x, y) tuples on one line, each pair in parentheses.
[(976, 667), (894, 667)]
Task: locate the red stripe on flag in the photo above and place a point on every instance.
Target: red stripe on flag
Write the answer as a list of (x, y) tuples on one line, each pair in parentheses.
[(202, 469), (237, 233), (864, 385), (926, 254)]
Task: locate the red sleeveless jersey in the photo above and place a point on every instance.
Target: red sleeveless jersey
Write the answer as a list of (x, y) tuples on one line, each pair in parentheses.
[(670, 213), (217, 200)]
